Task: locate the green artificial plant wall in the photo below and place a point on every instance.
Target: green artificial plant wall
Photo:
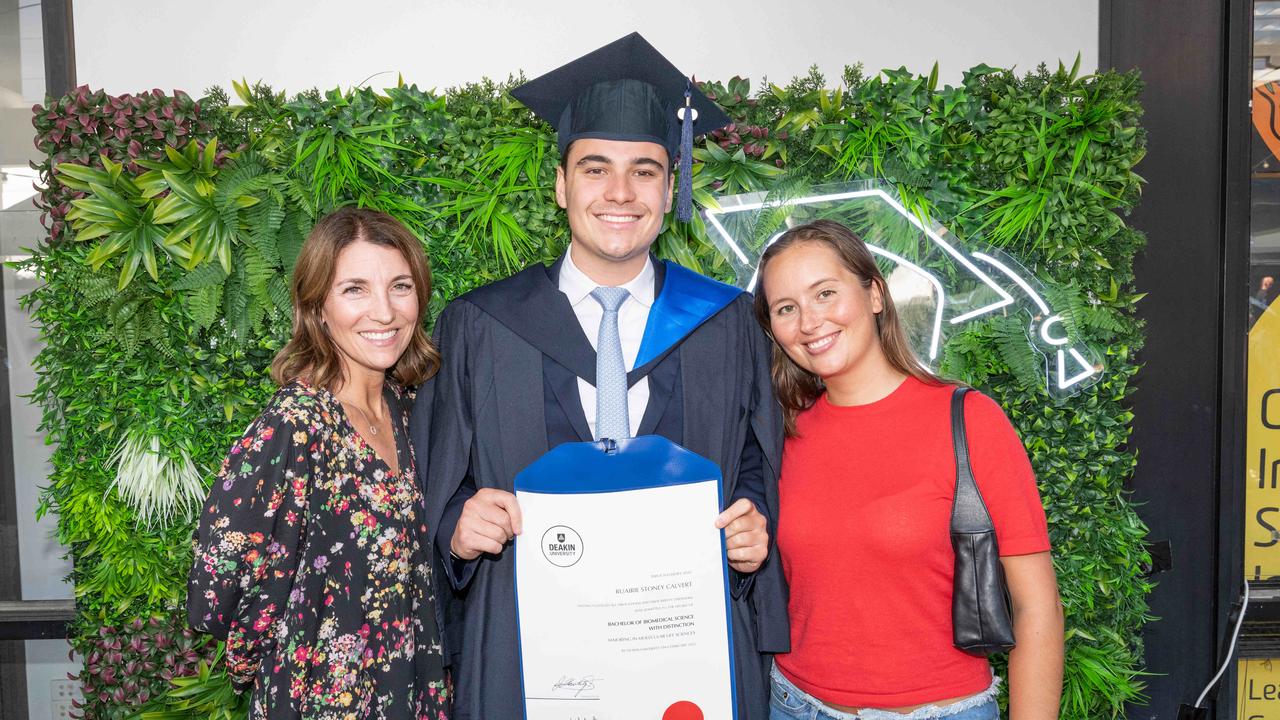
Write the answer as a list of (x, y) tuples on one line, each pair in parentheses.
[(174, 224)]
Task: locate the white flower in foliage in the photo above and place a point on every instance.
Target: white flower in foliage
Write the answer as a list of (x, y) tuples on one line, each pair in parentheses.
[(161, 485)]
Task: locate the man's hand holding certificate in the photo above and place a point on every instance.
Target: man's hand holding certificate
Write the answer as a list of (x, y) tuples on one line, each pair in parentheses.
[(622, 584)]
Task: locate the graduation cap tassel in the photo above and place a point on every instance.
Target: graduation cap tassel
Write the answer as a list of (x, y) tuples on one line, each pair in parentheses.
[(684, 200)]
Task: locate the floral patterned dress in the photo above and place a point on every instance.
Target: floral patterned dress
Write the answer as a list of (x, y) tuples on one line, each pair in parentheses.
[(310, 560)]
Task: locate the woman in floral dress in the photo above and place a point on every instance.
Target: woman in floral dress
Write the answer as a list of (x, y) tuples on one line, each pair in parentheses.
[(310, 559)]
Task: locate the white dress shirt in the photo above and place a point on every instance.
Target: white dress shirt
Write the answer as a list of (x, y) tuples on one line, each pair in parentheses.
[(633, 315)]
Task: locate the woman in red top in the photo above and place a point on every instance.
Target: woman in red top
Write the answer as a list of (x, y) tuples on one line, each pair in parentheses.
[(868, 479)]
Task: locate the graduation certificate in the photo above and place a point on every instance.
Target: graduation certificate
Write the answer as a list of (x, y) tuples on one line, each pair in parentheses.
[(622, 585)]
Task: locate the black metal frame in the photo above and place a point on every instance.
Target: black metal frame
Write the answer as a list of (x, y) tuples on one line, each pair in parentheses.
[(59, 47), (1195, 59), (35, 619), (1234, 308)]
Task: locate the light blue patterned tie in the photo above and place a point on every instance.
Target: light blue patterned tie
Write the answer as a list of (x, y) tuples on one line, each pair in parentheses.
[(611, 372)]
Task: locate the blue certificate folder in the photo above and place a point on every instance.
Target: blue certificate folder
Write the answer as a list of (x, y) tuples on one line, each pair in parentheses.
[(607, 466)]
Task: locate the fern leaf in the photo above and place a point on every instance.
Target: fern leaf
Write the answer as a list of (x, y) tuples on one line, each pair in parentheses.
[(123, 308), (278, 289), (154, 333), (264, 221), (204, 305), (235, 305), (300, 196), (963, 358), (1017, 353), (258, 272), (1069, 304), (93, 287), (206, 275), (244, 177), (293, 232), (1098, 317), (166, 349), (257, 314), (128, 336)]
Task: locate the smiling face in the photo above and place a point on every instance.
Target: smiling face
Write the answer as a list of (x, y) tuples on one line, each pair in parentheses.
[(371, 309), (821, 313), (615, 194)]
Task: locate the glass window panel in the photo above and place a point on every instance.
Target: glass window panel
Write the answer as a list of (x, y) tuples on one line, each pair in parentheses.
[(33, 673), (1262, 422)]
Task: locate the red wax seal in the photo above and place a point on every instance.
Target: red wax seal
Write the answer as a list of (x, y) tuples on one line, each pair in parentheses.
[(683, 710)]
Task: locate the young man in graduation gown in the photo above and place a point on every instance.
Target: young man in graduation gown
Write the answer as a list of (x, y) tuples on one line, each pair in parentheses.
[(520, 367)]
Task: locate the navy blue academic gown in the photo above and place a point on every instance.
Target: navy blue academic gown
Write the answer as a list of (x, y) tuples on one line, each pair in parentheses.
[(507, 392)]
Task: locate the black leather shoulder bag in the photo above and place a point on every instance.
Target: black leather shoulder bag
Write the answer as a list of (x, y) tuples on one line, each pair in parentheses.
[(980, 608)]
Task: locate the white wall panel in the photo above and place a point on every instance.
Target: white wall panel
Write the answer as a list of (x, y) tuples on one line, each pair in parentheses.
[(133, 45)]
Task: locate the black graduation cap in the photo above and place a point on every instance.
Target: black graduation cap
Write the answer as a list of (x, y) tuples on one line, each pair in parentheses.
[(625, 90)]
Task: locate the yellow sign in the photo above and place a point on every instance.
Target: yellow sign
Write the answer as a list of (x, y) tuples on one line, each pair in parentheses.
[(1262, 443), (1259, 691), (1258, 694)]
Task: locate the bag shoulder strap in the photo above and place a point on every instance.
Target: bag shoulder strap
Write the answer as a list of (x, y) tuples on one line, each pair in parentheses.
[(968, 511)]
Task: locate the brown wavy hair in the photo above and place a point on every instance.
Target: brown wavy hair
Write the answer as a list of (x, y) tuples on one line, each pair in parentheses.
[(311, 353), (797, 388)]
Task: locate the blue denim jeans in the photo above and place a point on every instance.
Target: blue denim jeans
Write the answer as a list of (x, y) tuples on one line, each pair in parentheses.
[(788, 702)]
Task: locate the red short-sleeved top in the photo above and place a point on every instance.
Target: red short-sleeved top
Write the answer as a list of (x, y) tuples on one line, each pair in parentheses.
[(866, 494)]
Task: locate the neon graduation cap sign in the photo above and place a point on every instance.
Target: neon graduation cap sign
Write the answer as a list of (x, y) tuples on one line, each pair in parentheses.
[(937, 284)]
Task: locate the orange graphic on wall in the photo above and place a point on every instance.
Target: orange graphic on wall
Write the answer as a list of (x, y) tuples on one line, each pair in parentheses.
[(1266, 115)]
